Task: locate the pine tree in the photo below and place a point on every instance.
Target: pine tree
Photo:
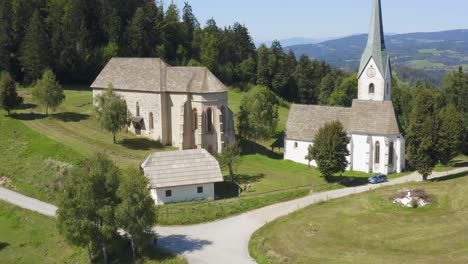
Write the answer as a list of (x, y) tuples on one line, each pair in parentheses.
[(5, 35), (34, 49), (303, 76), (263, 73), (48, 91), (330, 149), (346, 91), (9, 99), (422, 133), (450, 133)]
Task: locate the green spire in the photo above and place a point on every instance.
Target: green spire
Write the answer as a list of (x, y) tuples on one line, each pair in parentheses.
[(376, 43)]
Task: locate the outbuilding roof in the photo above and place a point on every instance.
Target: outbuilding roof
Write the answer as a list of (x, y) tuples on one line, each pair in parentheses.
[(154, 75), (181, 168), (364, 117)]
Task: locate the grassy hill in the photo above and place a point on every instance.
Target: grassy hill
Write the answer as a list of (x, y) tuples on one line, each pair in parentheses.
[(369, 228), (28, 237), (432, 53)]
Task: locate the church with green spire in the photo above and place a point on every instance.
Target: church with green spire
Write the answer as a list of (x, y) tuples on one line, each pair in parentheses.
[(376, 142)]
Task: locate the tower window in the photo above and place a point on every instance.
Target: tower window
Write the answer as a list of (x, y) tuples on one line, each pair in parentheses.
[(137, 109), (151, 121), (371, 88), (377, 153), (195, 119)]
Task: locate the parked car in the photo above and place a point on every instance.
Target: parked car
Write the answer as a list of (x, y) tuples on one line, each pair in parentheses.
[(378, 178)]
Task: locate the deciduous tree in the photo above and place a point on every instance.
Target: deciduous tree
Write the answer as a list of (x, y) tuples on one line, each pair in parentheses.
[(136, 213), (48, 91), (330, 149), (229, 158), (111, 111)]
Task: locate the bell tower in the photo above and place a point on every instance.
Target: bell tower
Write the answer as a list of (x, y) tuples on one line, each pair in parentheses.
[(375, 73)]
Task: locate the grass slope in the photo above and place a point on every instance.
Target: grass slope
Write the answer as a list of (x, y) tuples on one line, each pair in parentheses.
[(28, 237), (369, 228)]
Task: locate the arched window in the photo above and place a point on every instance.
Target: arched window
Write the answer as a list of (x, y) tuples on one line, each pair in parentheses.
[(151, 121), (391, 151), (209, 121), (377, 153), (223, 119), (195, 119), (371, 88), (137, 109), (295, 144)]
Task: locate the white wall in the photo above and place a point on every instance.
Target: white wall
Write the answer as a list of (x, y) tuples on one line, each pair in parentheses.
[(297, 154), (149, 103), (362, 150), (183, 193), (379, 82)]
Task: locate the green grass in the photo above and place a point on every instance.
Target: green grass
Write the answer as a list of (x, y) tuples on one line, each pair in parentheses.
[(201, 212), (459, 161), (28, 237), (369, 228)]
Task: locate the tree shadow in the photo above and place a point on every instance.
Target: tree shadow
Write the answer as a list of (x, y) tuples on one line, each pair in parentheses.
[(70, 117), (141, 144), (27, 116), (180, 244), (248, 147), (226, 190), (348, 181), (243, 179), (450, 177), (3, 245), (26, 106)]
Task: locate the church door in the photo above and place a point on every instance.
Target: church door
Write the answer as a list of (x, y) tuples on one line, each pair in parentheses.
[(137, 129)]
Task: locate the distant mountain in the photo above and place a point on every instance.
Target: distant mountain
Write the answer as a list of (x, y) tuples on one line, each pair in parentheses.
[(435, 53), (293, 41)]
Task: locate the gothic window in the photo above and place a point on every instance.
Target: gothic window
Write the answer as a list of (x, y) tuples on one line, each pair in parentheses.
[(371, 88), (151, 121), (388, 88), (391, 153), (295, 144), (377, 153), (223, 119), (137, 109), (209, 121), (195, 119)]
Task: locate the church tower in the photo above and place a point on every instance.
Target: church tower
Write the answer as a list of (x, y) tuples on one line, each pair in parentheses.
[(375, 73)]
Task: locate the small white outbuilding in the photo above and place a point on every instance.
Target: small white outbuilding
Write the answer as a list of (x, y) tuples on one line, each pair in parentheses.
[(184, 175)]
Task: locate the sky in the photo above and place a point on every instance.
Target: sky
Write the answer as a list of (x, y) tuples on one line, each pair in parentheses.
[(275, 19)]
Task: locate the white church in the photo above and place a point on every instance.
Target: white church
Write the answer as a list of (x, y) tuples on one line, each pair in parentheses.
[(376, 142)]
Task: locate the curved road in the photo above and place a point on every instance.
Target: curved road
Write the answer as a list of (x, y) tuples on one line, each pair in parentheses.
[(225, 241)]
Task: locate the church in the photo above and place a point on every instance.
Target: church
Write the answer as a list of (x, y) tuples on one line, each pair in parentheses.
[(376, 142), (185, 107)]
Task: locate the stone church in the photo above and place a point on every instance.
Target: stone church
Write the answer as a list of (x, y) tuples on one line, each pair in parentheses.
[(376, 142), (186, 107)]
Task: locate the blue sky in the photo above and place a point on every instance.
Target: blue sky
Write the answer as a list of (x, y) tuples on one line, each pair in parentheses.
[(275, 19)]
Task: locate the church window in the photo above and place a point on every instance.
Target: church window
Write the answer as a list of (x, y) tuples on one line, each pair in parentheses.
[(391, 153), (223, 119), (137, 109), (151, 121), (371, 88), (295, 144), (195, 119), (209, 121), (377, 153)]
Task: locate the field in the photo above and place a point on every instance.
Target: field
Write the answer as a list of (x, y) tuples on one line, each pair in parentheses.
[(369, 228), (28, 237)]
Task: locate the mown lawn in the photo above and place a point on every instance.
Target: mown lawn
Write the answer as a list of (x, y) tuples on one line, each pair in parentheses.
[(28, 237), (369, 228)]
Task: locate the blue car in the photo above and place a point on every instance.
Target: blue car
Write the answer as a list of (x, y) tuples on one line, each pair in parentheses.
[(378, 178)]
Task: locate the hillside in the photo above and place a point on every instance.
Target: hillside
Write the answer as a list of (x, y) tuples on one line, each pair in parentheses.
[(434, 53)]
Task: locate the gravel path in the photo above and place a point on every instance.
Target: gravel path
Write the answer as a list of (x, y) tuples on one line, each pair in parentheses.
[(226, 241)]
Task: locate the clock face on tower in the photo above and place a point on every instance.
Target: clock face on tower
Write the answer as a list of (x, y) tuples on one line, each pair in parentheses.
[(370, 73)]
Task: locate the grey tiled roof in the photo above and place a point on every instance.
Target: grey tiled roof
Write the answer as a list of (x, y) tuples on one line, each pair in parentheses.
[(376, 43), (181, 168), (154, 75), (304, 121), (364, 117)]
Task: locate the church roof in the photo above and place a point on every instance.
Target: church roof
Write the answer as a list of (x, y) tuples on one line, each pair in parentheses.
[(376, 43), (154, 75), (364, 117), (304, 121), (181, 168)]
